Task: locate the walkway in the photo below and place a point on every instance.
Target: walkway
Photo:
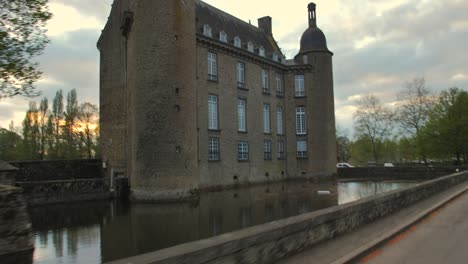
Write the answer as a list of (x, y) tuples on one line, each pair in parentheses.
[(440, 237)]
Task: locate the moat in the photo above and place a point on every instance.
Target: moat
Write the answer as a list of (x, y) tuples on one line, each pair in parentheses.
[(95, 232)]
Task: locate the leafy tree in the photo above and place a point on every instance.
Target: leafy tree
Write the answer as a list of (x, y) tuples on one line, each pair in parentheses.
[(373, 122), (54, 125), (9, 145), (31, 137), (414, 107), (43, 115), (69, 129), (22, 37), (87, 117), (447, 126), (342, 145)]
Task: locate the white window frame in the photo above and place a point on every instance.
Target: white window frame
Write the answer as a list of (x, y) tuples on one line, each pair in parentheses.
[(279, 120), (267, 149), (266, 119), (237, 42), (299, 86), (223, 37), (213, 149), (261, 51), (240, 74), (301, 148), (250, 47), (279, 84), (241, 115), (265, 81), (280, 147), (242, 150), (212, 66), (213, 123), (301, 125), (207, 30)]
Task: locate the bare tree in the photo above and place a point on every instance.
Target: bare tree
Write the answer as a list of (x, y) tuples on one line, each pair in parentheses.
[(374, 122), (87, 116), (414, 107)]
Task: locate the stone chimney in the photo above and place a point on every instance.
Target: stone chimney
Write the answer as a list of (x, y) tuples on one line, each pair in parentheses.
[(265, 24)]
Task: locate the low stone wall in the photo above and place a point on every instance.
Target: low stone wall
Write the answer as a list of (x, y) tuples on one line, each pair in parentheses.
[(16, 239), (397, 173), (44, 192), (272, 241), (53, 170)]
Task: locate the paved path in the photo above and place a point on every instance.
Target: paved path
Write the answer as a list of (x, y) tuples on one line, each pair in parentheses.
[(444, 234), (442, 237)]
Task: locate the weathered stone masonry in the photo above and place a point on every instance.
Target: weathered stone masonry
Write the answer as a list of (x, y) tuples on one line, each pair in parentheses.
[(155, 83)]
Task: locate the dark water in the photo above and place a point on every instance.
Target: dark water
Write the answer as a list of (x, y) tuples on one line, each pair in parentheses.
[(95, 232)]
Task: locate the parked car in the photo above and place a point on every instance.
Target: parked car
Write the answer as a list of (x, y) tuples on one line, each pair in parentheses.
[(371, 164), (344, 165), (388, 165)]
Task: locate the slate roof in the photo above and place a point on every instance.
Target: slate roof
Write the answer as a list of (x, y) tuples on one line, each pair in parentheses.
[(6, 167), (219, 21)]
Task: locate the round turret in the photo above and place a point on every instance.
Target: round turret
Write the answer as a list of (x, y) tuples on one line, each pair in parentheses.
[(313, 38)]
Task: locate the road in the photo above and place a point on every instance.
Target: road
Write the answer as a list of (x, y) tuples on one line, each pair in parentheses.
[(441, 237)]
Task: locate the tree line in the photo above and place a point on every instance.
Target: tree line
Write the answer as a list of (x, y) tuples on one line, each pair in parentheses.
[(53, 131), (419, 128)]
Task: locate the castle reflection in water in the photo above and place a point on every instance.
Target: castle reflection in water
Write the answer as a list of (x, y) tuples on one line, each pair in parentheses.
[(96, 232)]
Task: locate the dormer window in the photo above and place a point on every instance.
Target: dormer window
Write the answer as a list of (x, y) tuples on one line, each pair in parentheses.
[(283, 59), (250, 46), (305, 59), (237, 42), (261, 52), (275, 56), (223, 36), (207, 30)]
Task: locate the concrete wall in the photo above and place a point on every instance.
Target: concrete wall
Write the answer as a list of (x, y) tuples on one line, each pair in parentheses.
[(16, 240), (50, 170), (397, 173), (269, 242), (44, 192)]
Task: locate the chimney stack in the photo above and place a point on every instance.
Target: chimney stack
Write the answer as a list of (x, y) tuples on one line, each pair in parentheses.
[(265, 24)]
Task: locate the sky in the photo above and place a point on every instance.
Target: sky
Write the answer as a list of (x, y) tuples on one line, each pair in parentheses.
[(378, 46)]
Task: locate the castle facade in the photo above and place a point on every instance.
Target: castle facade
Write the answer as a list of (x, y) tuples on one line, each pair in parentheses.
[(194, 98)]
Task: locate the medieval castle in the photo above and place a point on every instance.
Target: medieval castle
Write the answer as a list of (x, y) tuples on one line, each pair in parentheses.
[(194, 98)]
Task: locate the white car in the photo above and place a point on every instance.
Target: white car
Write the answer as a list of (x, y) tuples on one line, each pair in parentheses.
[(344, 165), (388, 165)]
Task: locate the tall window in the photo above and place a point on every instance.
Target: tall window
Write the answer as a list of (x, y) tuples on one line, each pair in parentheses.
[(281, 149), (266, 118), (305, 59), (223, 36), (299, 85), (207, 30), (212, 112), (212, 67), (275, 56), (241, 119), (213, 148), (265, 84), (279, 120), (279, 84), (301, 148), (301, 121), (267, 149), (242, 150), (241, 75), (237, 42)]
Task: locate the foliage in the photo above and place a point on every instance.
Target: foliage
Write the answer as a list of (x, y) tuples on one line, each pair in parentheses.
[(373, 123), (22, 37), (54, 133)]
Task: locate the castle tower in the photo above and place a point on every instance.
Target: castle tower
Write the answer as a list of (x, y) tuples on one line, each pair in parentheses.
[(148, 97), (319, 100)]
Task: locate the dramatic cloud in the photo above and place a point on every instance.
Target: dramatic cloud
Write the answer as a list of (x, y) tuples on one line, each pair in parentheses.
[(378, 45)]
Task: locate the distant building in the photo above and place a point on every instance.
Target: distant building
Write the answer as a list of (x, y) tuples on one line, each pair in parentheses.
[(192, 98)]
